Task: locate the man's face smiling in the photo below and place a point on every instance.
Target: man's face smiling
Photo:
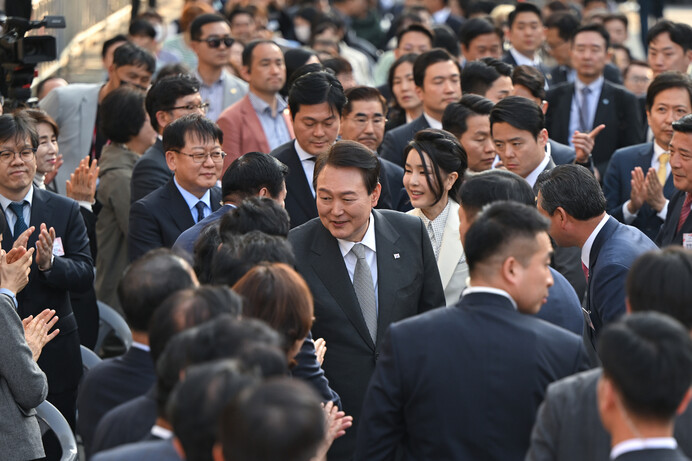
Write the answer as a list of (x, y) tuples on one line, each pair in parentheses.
[(17, 175)]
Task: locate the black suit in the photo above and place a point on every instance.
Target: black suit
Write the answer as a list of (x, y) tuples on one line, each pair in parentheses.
[(561, 154), (158, 219), (150, 172), (509, 59), (61, 358), (558, 74), (109, 384), (661, 454), (408, 284), (463, 382), (617, 108), (395, 140), (668, 234)]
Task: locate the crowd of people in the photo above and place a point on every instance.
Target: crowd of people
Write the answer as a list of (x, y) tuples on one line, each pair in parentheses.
[(356, 230)]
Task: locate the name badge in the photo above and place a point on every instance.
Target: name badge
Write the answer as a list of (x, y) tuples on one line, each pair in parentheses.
[(687, 241), (58, 250)]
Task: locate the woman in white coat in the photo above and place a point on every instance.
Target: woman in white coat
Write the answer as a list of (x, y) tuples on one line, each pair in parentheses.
[(434, 168)]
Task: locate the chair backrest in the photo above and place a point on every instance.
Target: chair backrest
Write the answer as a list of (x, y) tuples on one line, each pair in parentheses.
[(50, 419), (89, 359), (114, 333)]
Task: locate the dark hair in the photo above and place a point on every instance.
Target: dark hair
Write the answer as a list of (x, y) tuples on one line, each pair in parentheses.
[(666, 81), (141, 27), (278, 419), (682, 125), (122, 114), (254, 214), (445, 38), (497, 227), (339, 65), (556, 5), (238, 10), (617, 17), (18, 126), (316, 88), (420, 28), (41, 116), (296, 58), (188, 308), (172, 70), (110, 42), (475, 27), (353, 154), (478, 76), (147, 281), (277, 294), (573, 188), (129, 54), (445, 153), (479, 7), (410, 57), (204, 249), (251, 172), (648, 358), (522, 113), (530, 78), (175, 133), (304, 70), (490, 186), (250, 47), (525, 7), (565, 22), (427, 59), (634, 62), (166, 91), (363, 93), (593, 27), (201, 21), (456, 113), (659, 281), (679, 33)]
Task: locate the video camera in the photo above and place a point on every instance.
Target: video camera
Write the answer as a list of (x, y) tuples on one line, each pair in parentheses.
[(19, 55)]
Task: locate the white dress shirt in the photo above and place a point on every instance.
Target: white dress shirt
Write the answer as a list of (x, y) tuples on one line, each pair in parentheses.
[(370, 255), (432, 122), (655, 443), (524, 60), (495, 291), (586, 249), (308, 163), (533, 176)]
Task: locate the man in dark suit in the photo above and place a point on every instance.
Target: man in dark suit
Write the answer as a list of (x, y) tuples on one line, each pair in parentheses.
[(572, 198), (526, 37), (144, 285), (480, 38), (315, 102), (436, 75), (591, 101), (167, 100), (647, 166), (638, 409), (677, 228), (415, 391), (193, 153), (62, 261), (366, 269), (441, 14)]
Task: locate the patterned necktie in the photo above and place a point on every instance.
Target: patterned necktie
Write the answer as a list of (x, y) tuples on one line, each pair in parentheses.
[(662, 170), (365, 290), (685, 212), (200, 210), (19, 225), (584, 110)]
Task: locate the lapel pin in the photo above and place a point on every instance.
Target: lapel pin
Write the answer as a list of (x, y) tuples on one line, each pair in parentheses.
[(605, 102), (396, 256)]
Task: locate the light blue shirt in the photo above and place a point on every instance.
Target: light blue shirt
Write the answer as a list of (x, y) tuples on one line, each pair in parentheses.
[(273, 125), (10, 217), (213, 94), (595, 87), (191, 201)]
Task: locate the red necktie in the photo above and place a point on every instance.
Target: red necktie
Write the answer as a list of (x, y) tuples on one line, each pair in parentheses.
[(586, 270), (685, 212)]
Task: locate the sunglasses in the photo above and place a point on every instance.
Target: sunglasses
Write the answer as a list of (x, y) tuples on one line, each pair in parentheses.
[(215, 42)]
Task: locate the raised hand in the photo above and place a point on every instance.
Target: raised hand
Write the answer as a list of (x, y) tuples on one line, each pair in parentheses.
[(584, 142)]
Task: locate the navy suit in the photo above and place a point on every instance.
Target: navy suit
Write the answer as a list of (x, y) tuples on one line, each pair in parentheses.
[(613, 251), (395, 140), (150, 172), (617, 186), (509, 59), (669, 234), (463, 382), (186, 240), (151, 450), (562, 307), (661, 454), (558, 74), (159, 218), (561, 153)]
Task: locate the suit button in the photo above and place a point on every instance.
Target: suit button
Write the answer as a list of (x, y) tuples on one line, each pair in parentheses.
[(377, 356)]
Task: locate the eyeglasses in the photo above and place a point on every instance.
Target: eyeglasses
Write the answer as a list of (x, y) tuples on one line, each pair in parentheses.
[(201, 157), (27, 154), (215, 42), (363, 121), (204, 106)]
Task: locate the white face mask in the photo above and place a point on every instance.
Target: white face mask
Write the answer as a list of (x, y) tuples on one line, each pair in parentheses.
[(302, 33)]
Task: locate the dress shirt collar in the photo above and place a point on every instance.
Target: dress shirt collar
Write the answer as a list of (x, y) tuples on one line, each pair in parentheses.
[(190, 199), (220, 80), (432, 122), (140, 346), (653, 443), (658, 150), (368, 239), (302, 154), (586, 249), (261, 106), (524, 60), (594, 86), (29, 197), (469, 290), (533, 176), (440, 16), (161, 432)]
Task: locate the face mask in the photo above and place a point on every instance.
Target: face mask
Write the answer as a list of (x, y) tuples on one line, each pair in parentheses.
[(159, 33), (302, 33)]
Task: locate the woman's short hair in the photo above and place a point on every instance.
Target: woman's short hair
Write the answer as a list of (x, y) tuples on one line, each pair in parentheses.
[(122, 114)]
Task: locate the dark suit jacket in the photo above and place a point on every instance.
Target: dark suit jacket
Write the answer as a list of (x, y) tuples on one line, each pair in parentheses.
[(159, 218), (61, 358), (617, 108), (395, 140), (300, 203), (661, 454), (613, 251), (668, 234), (150, 172), (477, 402), (109, 384), (563, 307), (151, 450), (186, 240), (558, 74), (509, 59), (568, 427), (408, 284), (561, 153), (617, 186)]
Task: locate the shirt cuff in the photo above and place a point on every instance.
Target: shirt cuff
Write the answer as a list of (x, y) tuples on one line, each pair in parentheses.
[(7, 292), (664, 211), (627, 216), (84, 204)]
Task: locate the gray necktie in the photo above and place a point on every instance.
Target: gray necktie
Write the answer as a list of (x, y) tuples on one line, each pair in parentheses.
[(365, 290), (584, 125)]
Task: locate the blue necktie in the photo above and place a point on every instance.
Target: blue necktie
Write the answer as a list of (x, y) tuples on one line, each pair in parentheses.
[(200, 210), (19, 225)]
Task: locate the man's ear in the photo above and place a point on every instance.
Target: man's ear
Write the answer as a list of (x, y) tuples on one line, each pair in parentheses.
[(163, 118), (685, 401), (563, 217), (264, 192), (245, 73), (375, 196), (510, 270), (171, 160)]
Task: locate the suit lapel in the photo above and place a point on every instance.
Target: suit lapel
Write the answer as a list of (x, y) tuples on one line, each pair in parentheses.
[(605, 103), (562, 114), (603, 235), (41, 212), (297, 183), (389, 272), (451, 241), (179, 210), (253, 127)]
